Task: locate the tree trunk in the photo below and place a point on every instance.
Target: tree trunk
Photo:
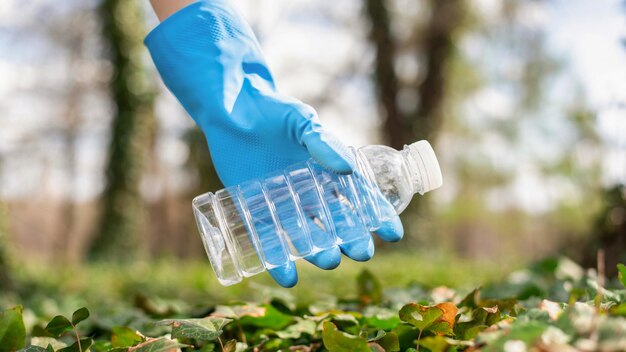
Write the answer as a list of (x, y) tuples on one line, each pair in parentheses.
[(132, 95), (438, 50), (385, 78)]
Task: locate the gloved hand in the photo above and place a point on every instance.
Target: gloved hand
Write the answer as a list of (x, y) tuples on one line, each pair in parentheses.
[(209, 58)]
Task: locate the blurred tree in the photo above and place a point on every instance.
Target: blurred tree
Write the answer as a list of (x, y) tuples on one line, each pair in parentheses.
[(609, 232), (132, 127), (5, 272), (385, 78), (440, 34), (434, 48), (199, 163)]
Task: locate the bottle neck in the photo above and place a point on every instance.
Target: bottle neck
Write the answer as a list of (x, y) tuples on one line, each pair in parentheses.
[(414, 173)]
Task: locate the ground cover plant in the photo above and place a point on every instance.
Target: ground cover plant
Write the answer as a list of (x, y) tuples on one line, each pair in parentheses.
[(553, 305)]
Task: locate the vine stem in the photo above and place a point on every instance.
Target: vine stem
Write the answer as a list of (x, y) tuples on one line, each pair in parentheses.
[(243, 335), (220, 341), (419, 337), (80, 348)]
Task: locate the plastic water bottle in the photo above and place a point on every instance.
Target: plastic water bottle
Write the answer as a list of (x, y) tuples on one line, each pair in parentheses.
[(304, 209)]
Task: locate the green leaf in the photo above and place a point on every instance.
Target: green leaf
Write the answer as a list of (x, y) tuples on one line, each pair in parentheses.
[(442, 344), (472, 299), (381, 318), (123, 336), (43, 341), (434, 343), (58, 325), (161, 344), (272, 318), (206, 329), (295, 331), (80, 315), (84, 345), (481, 319), (527, 332), (369, 288), (103, 346), (338, 341), (237, 312), (12, 330), (33, 349), (621, 268), (420, 316), (619, 309), (388, 341), (439, 319)]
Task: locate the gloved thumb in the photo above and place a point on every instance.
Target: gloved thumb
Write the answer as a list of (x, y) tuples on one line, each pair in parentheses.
[(303, 125), (328, 151)]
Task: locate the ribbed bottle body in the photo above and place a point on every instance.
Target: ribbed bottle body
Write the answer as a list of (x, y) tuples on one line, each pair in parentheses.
[(262, 224)]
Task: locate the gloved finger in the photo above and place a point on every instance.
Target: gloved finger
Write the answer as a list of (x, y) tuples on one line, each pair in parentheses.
[(285, 275), (324, 147), (272, 251), (327, 259), (328, 151), (361, 249), (390, 230)]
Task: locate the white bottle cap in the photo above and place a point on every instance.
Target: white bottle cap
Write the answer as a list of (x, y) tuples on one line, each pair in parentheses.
[(427, 163)]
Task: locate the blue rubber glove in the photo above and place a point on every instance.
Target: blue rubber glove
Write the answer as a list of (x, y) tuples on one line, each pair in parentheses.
[(210, 60)]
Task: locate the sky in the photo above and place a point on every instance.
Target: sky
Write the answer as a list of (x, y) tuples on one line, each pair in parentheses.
[(305, 51)]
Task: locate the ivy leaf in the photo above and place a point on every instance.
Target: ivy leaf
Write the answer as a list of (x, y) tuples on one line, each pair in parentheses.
[(419, 316), (237, 312), (84, 345), (43, 341), (434, 343), (58, 325), (338, 341), (80, 315), (295, 331), (33, 349), (387, 340), (271, 319), (439, 319), (442, 344), (472, 299), (123, 336), (369, 288), (206, 329), (105, 346), (161, 344), (12, 330), (482, 318), (381, 318), (449, 313), (621, 268)]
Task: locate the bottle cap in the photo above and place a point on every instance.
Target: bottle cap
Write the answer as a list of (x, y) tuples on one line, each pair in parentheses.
[(427, 163)]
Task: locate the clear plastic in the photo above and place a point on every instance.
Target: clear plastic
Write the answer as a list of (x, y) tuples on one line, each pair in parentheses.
[(262, 224)]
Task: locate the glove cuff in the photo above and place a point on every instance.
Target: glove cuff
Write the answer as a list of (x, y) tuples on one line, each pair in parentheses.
[(199, 52)]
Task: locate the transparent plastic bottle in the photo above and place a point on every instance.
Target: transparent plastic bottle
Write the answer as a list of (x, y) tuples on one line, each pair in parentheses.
[(262, 224)]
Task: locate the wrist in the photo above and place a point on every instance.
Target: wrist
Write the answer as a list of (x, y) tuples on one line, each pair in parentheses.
[(166, 8)]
